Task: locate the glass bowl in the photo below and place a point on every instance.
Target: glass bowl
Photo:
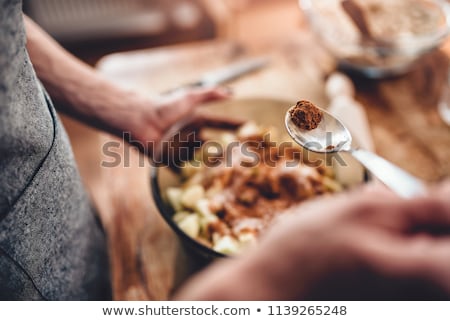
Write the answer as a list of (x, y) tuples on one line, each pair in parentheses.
[(400, 32)]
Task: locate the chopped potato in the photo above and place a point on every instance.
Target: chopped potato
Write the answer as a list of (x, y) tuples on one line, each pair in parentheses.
[(174, 198), (227, 138), (227, 245), (191, 195), (196, 179), (179, 216), (202, 207), (247, 239), (191, 168), (206, 216), (190, 225), (332, 185), (250, 129)]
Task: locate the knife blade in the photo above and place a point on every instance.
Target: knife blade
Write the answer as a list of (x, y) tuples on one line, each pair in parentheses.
[(232, 72), (227, 73)]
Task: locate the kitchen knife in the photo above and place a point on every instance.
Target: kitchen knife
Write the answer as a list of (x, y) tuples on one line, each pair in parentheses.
[(227, 73)]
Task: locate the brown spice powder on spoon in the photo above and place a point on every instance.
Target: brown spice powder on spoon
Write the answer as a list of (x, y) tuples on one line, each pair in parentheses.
[(306, 115)]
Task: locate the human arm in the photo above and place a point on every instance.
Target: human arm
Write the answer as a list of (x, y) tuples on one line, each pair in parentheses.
[(350, 247), (78, 90)]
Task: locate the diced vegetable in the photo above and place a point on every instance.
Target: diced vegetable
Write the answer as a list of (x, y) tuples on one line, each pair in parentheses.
[(332, 185), (215, 189), (227, 138), (206, 216), (247, 239), (227, 245), (174, 198), (249, 129), (211, 134), (327, 171), (191, 168), (190, 225), (216, 237), (191, 195), (196, 179), (202, 207), (178, 217)]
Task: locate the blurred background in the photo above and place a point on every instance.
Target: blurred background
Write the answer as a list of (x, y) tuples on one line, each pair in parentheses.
[(93, 28)]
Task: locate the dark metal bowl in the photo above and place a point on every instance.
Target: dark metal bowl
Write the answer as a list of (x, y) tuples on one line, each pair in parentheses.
[(263, 111)]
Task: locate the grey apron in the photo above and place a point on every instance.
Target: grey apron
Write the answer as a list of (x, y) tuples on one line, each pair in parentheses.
[(51, 244)]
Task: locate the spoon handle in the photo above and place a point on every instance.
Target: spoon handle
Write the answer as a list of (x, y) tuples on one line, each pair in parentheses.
[(397, 179)]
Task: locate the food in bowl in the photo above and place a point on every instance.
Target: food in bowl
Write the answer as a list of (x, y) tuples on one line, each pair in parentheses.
[(379, 37), (239, 181)]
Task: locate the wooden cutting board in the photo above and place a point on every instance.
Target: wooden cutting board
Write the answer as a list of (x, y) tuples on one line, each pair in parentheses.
[(145, 254)]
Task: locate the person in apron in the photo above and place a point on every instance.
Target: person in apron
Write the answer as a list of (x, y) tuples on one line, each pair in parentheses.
[(51, 243), (359, 245)]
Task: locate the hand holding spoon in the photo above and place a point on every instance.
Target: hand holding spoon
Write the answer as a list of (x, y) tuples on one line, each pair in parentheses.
[(332, 136)]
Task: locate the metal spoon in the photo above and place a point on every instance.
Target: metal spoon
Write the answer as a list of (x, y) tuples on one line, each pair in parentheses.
[(332, 136)]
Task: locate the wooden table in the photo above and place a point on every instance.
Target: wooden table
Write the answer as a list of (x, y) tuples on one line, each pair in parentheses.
[(402, 113)]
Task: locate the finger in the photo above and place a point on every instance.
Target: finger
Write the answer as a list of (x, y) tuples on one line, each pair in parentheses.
[(202, 95), (389, 212), (188, 100), (425, 215), (416, 253), (421, 259), (442, 191), (381, 206)]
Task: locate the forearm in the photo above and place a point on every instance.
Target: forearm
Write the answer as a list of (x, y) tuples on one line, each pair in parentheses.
[(255, 277), (228, 280), (78, 90)]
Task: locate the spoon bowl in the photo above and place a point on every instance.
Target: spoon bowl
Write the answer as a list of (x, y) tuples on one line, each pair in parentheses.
[(332, 136)]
